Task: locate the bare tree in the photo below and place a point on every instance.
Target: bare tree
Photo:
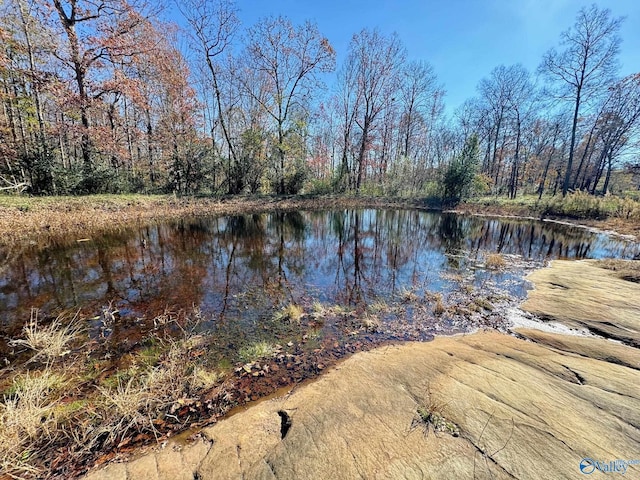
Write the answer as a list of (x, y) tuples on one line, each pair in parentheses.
[(418, 92), (213, 27), (289, 58), (585, 66), (375, 61), (618, 126)]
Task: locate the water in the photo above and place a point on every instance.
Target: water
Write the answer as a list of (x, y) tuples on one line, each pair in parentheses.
[(238, 271)]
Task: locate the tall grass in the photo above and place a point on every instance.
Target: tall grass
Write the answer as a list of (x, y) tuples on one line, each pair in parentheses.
[(51, 342), (583, 205), (576, 205), (79, 413), (28, 420)]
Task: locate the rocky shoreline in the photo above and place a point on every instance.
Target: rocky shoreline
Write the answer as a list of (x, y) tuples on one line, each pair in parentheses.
[(486, 405)]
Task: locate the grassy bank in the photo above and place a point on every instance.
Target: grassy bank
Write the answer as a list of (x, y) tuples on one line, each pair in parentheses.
[(61, 220), (47, 221), (618, 214)]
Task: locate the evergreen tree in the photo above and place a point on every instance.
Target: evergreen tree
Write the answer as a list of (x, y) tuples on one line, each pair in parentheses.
[(458, 178)]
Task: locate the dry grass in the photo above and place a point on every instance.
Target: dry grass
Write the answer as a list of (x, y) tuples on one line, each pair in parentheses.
[(495, 261), (50, 342), (291, 313), (407, 295), (370, 323), (131, 405), (27, 420), (437, 300), (41, 410), (320, 311)]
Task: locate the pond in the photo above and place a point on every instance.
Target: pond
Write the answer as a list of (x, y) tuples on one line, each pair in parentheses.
[(240, 274)]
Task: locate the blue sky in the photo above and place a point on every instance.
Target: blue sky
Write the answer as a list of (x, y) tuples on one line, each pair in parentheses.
[(463, 39)]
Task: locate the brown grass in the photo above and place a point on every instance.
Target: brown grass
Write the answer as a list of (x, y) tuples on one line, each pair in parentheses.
[(438, 303), (64, 220), (44, 413), (51, 342), (27, 421), (495, 261)]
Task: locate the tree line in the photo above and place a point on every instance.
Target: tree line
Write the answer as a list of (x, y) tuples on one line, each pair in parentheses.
[(105, 96)]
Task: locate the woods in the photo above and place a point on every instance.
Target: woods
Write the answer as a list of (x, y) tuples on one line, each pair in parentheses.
[(108, 97)]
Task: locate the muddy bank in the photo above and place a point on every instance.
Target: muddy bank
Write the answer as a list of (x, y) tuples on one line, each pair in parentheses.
[(486, 405), (582, 294)]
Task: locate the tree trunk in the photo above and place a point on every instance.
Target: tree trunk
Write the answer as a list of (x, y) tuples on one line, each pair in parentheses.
[(574, 127), (362, 152), (546, 167)]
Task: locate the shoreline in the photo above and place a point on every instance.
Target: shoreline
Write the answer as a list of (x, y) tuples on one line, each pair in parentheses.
[(48, 221), (154, 209)]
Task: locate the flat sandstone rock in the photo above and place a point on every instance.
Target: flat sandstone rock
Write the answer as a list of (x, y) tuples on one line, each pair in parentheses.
[(523, 409), (581, 294), (496, 406)]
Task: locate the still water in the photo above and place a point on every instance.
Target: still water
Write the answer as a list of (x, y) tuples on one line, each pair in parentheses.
[(240, 269)]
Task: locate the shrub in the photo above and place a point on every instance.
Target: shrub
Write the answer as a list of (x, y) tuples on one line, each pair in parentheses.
[(459, 176), (318, 186), (584, 205)]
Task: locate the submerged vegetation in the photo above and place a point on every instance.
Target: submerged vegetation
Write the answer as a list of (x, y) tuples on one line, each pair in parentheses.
[(69, 399)]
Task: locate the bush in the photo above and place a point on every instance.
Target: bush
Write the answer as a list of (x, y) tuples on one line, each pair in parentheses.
[(459, 176), (293, 182), (318, 186)]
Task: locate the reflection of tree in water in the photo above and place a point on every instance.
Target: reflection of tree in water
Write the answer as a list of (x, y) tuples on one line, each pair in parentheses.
[(374, 250), (452, 236), (355, 290), (341, 256), (528, 238), (260, 251), (349, 271)]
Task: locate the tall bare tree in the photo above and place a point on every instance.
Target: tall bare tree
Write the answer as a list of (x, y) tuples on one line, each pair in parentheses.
[(214, 25), (376, 61), (584, 67), (289, 58)]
